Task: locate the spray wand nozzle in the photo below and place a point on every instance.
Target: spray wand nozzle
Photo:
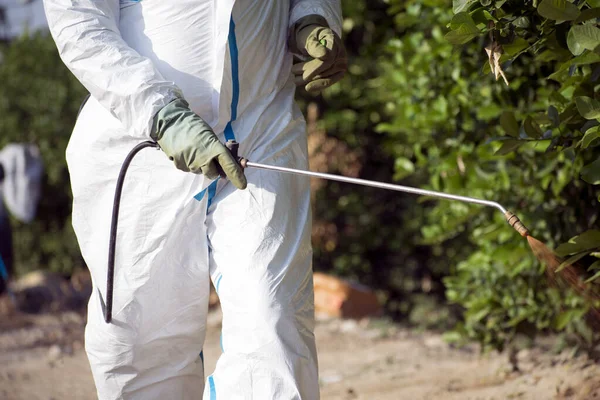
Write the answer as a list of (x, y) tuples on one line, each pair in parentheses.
[(516, 223)]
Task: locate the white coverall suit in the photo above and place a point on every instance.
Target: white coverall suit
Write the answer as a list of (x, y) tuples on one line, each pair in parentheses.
[(230, 60)]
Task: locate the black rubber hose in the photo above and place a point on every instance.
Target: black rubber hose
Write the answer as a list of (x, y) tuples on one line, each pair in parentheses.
[(110, 278)]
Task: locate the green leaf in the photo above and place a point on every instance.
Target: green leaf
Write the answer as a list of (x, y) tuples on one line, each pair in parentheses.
[(590, 135), (571, 260), (593, 267), (587, 36), (569, 113), (463, 34), (509, 146), (588, 108), (488, 112), (404, 167), (463, 29), (461, 5), (591, 172), (554, 116), (482, 16), (509, 123), (558, 10), (478, 315), (588, 240), (593, 3), (590, 13), (532, 128), (558, 75), (558, 98), (559, 54), (461, 18), (521, 22), (489, 16), (548, 55), (563, 319), (586, 58), (542, 118), (593, 277), (573, 45), (515, 47)]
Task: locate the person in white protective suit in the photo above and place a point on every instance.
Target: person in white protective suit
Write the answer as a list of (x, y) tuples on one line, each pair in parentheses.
[(191, 75)]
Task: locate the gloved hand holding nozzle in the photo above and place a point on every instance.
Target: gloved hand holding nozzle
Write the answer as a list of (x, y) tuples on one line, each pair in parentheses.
[(192, 145)]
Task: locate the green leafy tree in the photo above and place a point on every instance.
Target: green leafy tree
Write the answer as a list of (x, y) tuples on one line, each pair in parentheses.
[(417, 100), (555, 46)]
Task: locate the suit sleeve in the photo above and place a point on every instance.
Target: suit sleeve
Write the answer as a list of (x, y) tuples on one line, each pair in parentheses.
[(331, 10), (128, 85)]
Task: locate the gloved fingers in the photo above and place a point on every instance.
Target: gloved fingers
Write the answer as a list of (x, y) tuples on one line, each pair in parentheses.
[(320, 44), (332, 75), (303, 29), (210, 170), (308, 70), (233, 170), (299, 81), (180, 164), (222, 173), (322, 83)]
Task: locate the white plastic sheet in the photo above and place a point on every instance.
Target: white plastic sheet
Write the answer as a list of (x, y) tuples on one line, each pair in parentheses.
[(23, 173)]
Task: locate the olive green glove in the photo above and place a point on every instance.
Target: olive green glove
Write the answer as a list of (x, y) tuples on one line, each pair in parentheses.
[(192, 145), (325, 56)]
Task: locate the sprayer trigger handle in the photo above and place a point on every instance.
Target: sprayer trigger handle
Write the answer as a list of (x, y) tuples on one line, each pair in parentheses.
[(233, 147)]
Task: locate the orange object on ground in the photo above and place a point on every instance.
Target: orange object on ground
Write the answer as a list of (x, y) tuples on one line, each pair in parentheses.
[(336, 297)]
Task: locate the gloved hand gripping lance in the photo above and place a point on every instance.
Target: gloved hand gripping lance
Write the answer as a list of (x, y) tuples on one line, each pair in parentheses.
[(233, 146)]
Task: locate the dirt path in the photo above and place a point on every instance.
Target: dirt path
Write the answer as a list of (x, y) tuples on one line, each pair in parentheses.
[(41, 357)]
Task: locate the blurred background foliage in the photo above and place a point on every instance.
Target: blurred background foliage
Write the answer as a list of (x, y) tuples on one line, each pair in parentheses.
[(420, 106), (39, 99)]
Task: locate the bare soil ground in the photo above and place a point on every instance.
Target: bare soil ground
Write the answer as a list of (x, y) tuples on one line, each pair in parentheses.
[(42, 357)]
